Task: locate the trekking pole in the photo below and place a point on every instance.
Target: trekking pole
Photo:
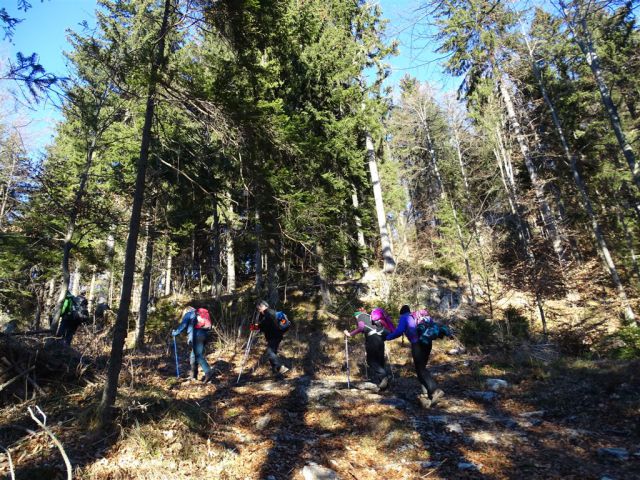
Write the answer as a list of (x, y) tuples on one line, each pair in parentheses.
[(246, 355), (346, 349), (175, 350)]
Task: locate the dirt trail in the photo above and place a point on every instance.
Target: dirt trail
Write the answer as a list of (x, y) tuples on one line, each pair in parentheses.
[(547, 422)]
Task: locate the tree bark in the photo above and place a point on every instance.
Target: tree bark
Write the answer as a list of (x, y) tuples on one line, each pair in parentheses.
[(385, 241), (120, 327)]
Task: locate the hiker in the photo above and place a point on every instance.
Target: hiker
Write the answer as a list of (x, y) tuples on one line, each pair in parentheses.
[(274, 329), (73, 313), (197, 322), (375, 328), (420, 352)]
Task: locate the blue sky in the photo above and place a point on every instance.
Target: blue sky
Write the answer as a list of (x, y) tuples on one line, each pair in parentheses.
[(44, 28)]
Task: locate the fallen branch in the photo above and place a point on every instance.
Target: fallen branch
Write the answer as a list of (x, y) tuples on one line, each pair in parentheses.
[(43, 424), (13, 475), (17, 377), (22, 372)]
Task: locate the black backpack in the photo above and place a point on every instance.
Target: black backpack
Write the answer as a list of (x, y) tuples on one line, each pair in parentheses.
[(80, 309)]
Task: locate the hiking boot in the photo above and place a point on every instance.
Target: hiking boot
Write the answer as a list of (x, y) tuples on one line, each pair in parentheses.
[(424, 401), (208, 376), (282, 370), (384, 383), (437, 395)]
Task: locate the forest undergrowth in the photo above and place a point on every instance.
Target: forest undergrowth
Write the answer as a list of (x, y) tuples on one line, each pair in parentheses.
[(558, 415)]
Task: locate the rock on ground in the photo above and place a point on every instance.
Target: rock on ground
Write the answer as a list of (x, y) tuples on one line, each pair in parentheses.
[(313, 471), (496, 384)]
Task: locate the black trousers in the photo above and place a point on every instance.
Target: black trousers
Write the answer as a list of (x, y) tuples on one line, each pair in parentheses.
[(420, 353), (67, 329), (273, 342), (374, 348)]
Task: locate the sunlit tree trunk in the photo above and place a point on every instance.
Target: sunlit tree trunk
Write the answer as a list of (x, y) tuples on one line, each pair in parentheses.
[(385, 241), (229, 249), (168, 272), (77, 278)]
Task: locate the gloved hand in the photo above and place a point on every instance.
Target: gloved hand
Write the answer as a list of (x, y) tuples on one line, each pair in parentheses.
[(254, 327), (174, 332), (346, 333)]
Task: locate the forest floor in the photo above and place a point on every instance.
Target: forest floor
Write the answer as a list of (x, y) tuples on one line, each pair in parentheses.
[(563, 418)]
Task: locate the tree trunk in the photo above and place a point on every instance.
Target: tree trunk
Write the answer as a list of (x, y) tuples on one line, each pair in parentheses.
[(77, 279), (585, 43), (216, 284), (361, 243), (110, 243), (385, 241), (92, 289), (230, 253), (51, 289), (258, 254), (146, 286), (573, 162), (538, 188), (322, 279), (168, 273), (120, 327)]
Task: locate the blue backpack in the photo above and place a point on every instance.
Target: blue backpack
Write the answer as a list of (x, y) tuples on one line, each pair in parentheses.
[(282, 322), (428, 330)]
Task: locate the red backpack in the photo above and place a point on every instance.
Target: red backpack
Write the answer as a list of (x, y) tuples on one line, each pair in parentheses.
[(203, 319)]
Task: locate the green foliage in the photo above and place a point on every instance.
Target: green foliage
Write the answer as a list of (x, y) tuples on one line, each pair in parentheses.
[(514, 325), (477, 331), (628, 342)]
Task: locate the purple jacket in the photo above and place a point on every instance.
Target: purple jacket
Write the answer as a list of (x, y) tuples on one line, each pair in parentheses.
[(407, 325)]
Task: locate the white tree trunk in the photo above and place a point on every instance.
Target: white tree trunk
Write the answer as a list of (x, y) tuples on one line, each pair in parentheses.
[(168, 272), (230, 254), (92, 289), (387, 253), (77, 278)]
